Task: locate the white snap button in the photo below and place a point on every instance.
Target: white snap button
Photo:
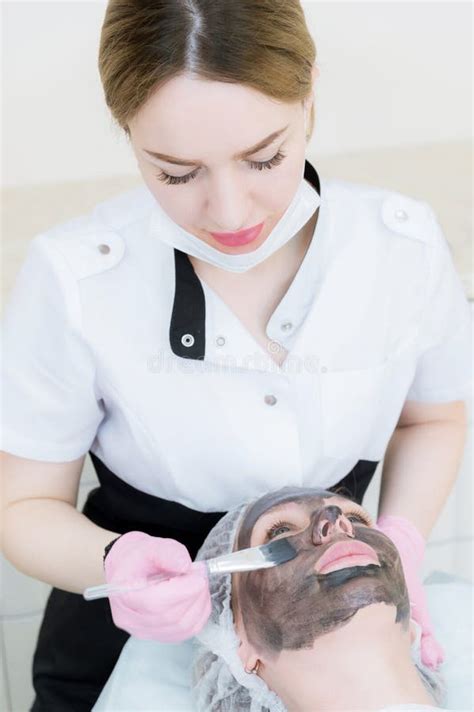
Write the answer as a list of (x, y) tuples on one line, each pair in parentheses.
[(187, 340), (270, 400), (401, 215), (105, 249), (220, 341), (323, 369), (286, 326)]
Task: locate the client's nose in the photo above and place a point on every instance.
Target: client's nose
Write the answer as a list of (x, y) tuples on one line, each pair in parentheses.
[(329, 522)]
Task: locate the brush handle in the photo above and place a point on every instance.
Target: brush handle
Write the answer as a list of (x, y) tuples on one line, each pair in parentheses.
[(105, 590)]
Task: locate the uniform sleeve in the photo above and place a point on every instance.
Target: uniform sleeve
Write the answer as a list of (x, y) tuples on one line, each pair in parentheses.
[(444, 365), (49, 406)]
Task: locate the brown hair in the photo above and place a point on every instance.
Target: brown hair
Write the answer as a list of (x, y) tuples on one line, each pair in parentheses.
[(263, 44)]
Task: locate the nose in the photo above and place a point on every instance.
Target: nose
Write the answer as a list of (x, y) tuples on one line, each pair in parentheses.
[(228, 205), (329, 522)]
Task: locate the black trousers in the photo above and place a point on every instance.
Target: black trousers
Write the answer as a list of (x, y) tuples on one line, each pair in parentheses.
[(78, 643)]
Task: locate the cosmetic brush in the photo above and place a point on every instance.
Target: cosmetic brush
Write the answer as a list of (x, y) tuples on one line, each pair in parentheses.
[(257, 557)]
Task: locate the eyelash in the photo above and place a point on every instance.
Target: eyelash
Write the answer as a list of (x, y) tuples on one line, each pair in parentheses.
[(256, 165), (275, 527), (363, 518)]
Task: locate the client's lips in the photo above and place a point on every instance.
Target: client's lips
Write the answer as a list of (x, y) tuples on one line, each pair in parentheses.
[(346, 553)]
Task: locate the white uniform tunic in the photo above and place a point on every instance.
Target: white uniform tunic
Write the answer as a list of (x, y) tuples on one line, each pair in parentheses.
[(114, 345)]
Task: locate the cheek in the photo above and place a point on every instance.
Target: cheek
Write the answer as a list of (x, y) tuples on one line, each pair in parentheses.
[(183, 208), (279, 187), (265, 588), (385, 548), (178, 203), (183, 212), (257, 590)]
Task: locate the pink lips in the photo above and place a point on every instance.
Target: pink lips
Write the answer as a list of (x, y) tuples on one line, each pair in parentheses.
[(346, 553), (242, 237)]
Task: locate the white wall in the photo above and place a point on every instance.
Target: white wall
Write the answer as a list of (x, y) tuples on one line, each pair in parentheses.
[(392, 73)]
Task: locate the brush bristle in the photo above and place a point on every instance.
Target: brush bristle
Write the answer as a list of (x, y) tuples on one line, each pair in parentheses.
[(279, 551)]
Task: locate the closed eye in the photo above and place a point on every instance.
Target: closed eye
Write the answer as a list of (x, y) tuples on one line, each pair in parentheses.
[(256, 165)]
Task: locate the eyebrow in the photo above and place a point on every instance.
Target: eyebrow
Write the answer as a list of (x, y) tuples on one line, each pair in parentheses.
[(195, 162)]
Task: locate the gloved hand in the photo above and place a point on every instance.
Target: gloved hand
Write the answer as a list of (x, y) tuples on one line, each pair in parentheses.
[(168, 611), (411, 547)]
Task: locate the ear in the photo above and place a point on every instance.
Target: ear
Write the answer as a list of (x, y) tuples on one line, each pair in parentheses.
[(315, 72), (412, 629), (246, 652), (248, 655), (309, 99)]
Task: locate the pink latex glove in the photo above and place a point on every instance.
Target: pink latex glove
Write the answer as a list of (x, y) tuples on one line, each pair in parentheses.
[(411, 547), (168, 611)]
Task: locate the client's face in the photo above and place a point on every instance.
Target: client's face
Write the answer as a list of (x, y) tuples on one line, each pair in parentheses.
[(288, 606)]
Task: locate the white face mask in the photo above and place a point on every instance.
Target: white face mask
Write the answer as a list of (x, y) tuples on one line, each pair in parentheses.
[(304, 204)]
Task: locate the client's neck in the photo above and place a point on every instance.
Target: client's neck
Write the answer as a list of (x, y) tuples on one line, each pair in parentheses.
[(364, 665)]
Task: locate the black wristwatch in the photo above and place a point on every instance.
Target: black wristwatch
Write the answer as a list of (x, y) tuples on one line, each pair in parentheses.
[(108, 548)]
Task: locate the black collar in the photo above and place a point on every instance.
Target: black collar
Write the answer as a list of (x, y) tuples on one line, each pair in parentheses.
[(188, 318)]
